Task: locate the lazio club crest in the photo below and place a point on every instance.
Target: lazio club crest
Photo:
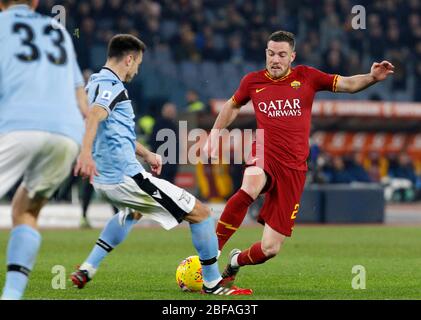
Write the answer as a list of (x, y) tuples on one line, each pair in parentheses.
[(296, 84)]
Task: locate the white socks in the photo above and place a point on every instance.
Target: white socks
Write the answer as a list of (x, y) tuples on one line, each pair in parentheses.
[(88, 267)]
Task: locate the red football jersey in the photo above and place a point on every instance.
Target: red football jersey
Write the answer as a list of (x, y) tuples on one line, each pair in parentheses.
[(283, 109)]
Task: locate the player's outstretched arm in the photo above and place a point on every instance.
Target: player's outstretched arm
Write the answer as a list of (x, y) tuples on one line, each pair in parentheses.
[(226, 116), (153, 159), (85, 165), (353, 84)]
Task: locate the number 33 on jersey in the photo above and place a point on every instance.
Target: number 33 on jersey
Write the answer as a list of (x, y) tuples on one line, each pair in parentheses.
[(32, 47)]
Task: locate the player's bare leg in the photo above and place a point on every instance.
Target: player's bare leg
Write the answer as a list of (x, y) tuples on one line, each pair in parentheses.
[(24, 242), (123, 215), (199, 213), (26, 210), (258, 253), (271, 242), (254, 180)]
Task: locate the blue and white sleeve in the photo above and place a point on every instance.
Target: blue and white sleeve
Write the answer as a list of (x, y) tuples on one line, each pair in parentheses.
[(108, 95)]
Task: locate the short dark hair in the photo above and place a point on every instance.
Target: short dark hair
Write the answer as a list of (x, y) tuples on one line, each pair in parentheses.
[(122, 44), (283, 36)]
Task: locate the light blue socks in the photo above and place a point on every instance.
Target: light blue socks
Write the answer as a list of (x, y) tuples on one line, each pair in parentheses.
[(112, 235), (206, 243), (22, 251)]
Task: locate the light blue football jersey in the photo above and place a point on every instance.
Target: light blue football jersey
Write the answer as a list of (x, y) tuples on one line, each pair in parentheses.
[(38, 75), (114, 149)]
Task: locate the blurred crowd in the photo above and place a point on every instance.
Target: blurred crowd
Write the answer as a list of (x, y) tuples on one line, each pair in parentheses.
[(235, 31), (398, 173)]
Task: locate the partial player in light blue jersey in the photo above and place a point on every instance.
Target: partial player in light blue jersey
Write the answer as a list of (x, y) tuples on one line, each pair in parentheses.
[(108, 159), (41, 126), (116, 135), (38, 69)]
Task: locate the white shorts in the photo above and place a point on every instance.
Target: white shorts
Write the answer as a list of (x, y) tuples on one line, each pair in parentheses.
[(43, 159), (154, 198)]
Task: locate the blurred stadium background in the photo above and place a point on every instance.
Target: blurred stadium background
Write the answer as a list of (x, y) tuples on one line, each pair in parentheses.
[(365, 164)]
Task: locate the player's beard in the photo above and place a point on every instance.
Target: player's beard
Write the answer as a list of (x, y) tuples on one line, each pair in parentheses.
[(278, 73)]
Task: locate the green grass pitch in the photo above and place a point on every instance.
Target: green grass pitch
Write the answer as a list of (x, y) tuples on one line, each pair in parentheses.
[(316, 263)]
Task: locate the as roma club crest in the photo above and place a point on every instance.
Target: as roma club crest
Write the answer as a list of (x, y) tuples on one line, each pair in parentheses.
[(296, 84)]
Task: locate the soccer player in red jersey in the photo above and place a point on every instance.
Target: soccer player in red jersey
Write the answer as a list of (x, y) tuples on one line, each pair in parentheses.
[(282, 98)]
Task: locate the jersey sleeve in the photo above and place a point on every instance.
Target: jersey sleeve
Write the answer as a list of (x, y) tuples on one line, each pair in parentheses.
[(242, 96), (322, 81), (108, 94)]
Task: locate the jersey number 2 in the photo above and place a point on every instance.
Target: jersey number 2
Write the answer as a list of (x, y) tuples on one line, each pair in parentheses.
[(34, 53), (294, 213)]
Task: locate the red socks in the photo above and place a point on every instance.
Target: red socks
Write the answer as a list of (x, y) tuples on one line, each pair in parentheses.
[(232, 217), (253, 255)]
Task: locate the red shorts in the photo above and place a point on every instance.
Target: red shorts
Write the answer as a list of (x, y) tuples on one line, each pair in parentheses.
[(282, 196)]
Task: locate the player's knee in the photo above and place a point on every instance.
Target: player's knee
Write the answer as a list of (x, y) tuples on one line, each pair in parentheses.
[(24, 208), (270, 250), (137, 215), (253, 182), (199, 213), (250, 190), (203, 212)]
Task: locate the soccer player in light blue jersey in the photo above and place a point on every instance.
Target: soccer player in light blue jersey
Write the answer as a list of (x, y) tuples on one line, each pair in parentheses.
[(108, 159), (41, 126)]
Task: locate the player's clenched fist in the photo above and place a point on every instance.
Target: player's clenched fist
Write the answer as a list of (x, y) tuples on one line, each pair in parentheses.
[(155, 162)]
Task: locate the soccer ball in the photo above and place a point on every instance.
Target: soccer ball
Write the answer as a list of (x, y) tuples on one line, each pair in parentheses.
[(189, 274)]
